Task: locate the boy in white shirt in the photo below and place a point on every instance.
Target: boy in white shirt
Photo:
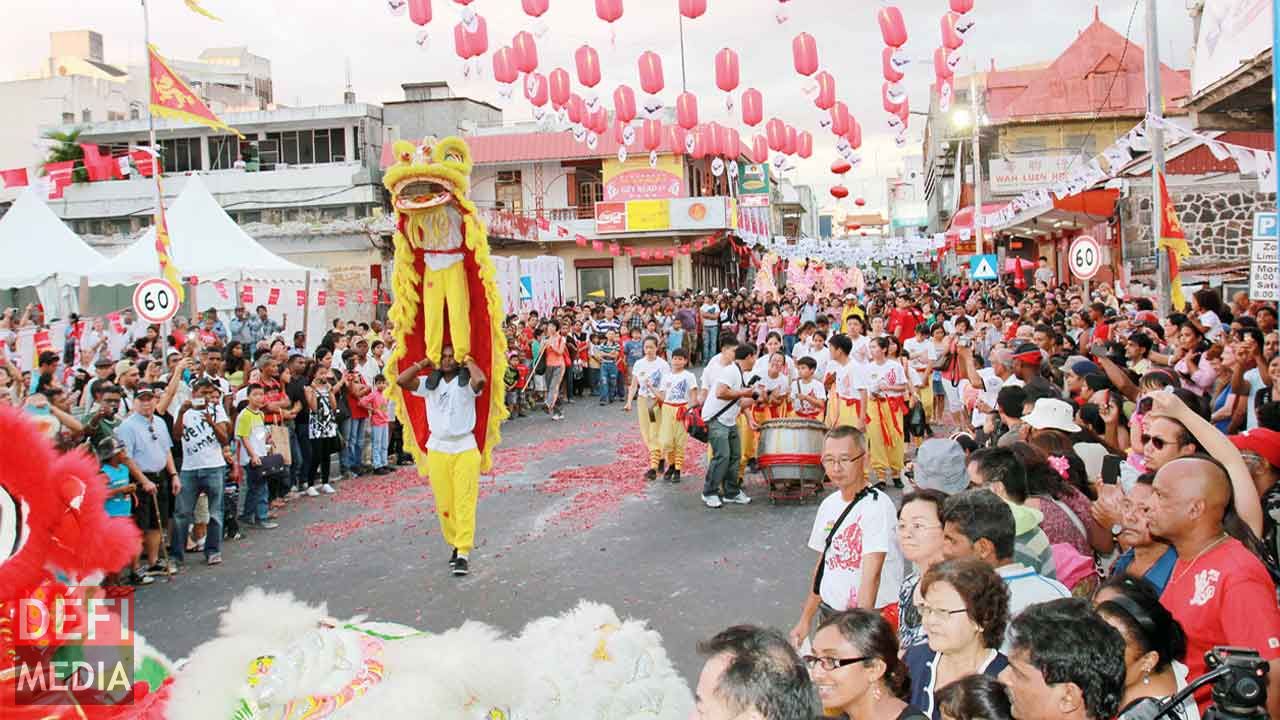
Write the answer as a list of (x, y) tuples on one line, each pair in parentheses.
[(808, 394), (646, 378), (677, 389)]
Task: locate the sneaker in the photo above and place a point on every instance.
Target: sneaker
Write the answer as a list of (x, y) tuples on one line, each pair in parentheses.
[(237, 536), (460, 567), (312, 492), (712, 501), (453, 559), (384, 470), (268, 525), (214, 559), (557, 416), (138, 579), (651, 475), (327, 489), (739, 499), (200, 545), (662, 466)]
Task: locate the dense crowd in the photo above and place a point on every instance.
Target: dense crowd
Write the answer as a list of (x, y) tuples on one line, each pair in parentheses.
[(1088, 488)]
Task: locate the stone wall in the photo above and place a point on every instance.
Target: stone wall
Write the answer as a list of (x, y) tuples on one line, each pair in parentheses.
[(1217, 217)]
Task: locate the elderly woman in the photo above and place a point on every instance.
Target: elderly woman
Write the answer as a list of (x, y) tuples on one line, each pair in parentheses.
[(920, 537), (856, 668), (965, 610)]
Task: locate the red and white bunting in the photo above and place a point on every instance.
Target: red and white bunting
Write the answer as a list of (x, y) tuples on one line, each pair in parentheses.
[(302, 298), (273, 296)]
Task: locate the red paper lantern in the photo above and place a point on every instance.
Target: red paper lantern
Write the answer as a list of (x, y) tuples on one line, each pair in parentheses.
[(961, 6), (841, 166), (951, 38), (752, 107), (560, 87), (687, 110), (693, 9), (892, 27), (804, 51), (624, 103), (420, 11), (577, 109), (609, 10), (890, 106), (826, 90), (777, 133), (461, 43), (652, 135), (535, 89), (618, 128), (840, 118), (588, 62), (651, 80), (599, 121), (464, 2), (535, 8), (854, 135), (804, 145), (760, 149), (730, 143), (891, 73), (504, 66), (727, 75), (904, 112), (859, 202), (478, 40), (793, 141), (714, 133), (526, 50), (839, 192), (706, 144), (941, 70), (678, 135)]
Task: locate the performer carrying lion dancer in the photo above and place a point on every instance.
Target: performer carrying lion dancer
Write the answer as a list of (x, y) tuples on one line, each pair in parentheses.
[(447, 315)]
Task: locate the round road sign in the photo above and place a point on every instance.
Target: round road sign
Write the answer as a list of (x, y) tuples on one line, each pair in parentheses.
[(155, 300), (1084, 257)]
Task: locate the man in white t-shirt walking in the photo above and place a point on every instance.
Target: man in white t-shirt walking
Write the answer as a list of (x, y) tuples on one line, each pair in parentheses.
[(710, 314), (453, 459), (859, 563), (726, 389)]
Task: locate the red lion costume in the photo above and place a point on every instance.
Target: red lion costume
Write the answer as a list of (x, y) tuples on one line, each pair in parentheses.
[(53, 528)]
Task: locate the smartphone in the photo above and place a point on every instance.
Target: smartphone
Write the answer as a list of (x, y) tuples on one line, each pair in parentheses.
[(1111, 469), (197, 402), (1144, 406)]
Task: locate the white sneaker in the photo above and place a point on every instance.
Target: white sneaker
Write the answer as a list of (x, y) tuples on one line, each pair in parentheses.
[(712, 501), (327, 489), (312, 492), (739, 499)]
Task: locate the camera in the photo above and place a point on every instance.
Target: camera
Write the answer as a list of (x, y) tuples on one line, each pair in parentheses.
[(1239, 678)]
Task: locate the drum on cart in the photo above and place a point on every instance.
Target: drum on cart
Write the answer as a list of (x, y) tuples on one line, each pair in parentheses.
[(790, 457)]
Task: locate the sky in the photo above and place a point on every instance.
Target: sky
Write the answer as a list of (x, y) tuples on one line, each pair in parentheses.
[(310, 44)]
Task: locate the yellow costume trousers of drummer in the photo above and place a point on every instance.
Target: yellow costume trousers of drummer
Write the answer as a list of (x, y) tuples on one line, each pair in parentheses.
[(672, 437), (445, 291), (650, 430), (884, 433), (747, 439), (926, 398), (845, 411), (455, 482)]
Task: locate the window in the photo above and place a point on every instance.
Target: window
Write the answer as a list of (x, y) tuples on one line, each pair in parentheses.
[(355, 136), (250, 216), (590, 192), (113, 116), (1029, 143), (595, 284), (224, 151), (86, 115), (653, 279), (181, 155), (134, 112), (508, 191), (1086, 145), (309, 147), (337, 212), (68, 118)]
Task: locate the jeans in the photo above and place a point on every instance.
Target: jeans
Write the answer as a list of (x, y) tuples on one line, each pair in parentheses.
[(726, 451), (353, 454), (211, 481), (788, 342), (378, 439), (255, 496), (608, 381), (299, 447), (555, 378), (710, 342)]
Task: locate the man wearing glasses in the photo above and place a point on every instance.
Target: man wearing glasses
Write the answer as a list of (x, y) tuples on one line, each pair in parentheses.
[(147, 444), (859, 562)]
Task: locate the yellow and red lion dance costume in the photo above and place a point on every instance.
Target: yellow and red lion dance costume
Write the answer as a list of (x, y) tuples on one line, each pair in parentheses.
[(55, 533), (445, 289)]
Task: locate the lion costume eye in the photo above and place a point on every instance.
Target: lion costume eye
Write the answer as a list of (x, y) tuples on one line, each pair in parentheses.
[(13, 526)]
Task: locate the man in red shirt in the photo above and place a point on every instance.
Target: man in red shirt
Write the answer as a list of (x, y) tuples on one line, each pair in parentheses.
[(1219, 591), (904, 318)]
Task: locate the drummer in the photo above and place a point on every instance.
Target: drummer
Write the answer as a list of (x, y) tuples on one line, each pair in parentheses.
[(674, 393), (775, 387), (808, 394), (773, 346), (887, 383)]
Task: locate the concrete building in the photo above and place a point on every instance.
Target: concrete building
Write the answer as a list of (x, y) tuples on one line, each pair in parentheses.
[(431, 108)]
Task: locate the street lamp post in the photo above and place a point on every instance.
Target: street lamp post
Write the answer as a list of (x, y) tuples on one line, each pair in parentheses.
[(977, 160)]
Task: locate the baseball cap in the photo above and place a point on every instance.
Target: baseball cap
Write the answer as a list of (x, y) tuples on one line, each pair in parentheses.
[(1262, 441), (1084, 367), (145, 390), (107, 448), (103, 363)]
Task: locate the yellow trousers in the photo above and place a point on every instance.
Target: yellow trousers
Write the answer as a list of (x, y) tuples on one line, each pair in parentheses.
[(926, 398), (455, 482), (748, 439), (884, 436), (673, 437), (839, 412), (445, 292), (650, 430)]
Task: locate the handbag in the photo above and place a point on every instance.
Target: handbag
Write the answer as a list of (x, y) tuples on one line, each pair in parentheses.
[(272, 464)]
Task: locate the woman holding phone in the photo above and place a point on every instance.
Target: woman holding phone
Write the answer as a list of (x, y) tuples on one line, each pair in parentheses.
[(322, 400)]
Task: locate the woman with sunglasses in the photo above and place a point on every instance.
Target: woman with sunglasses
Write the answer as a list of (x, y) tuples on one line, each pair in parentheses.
[(857, 671), (965, 611)]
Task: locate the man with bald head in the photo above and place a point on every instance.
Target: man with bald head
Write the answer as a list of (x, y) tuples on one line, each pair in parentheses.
[(1219, 591)]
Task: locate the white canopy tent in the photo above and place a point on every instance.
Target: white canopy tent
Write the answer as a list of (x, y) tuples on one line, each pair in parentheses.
[(41, 251)]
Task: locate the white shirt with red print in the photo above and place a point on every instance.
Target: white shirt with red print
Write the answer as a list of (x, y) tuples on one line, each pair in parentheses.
[(870, 527)]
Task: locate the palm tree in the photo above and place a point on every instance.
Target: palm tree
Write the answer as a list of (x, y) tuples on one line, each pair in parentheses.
[(68, 148)]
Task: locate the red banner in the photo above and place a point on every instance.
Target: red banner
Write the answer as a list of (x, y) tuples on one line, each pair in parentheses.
[(342, 299), (273, 296), (302, 298), (59, 174), (246, 295), (580, 240), (320, 298), (145, 161), (359, 297), (17, 177)]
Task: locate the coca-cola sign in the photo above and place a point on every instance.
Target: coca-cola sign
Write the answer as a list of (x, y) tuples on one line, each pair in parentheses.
[(611, 217)]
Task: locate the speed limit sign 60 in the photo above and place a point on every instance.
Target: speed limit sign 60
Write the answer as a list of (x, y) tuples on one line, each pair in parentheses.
[(1084, 257), (155, 300)]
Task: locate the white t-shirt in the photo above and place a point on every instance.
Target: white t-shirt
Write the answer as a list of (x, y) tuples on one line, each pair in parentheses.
[(988, 395), (708, 322), (200, 447), (861, 351), (1254, 378), (821, 356), (713, 368), (922, 353), (1212, 325), (761, 367), (881, 375), (730, 377), (772, 384), (848, 380), (676, 387), (451, 415), (870, 527), (649, 374), (800, 388)]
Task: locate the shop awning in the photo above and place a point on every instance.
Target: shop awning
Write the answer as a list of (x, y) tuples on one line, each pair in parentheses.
[(1080, 210), (963, 219)]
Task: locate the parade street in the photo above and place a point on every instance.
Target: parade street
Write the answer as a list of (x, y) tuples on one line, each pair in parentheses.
[(566, 516)]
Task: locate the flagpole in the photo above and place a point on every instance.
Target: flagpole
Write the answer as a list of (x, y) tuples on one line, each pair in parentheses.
[(157, 162), (1155, 135)]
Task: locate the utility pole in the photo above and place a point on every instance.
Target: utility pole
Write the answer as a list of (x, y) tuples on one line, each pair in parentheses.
[(683, 84), (976, 108), (1275, 80), (1155, 109)]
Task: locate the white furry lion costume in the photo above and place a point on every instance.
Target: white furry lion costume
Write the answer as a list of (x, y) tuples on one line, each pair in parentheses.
[(276, 658)]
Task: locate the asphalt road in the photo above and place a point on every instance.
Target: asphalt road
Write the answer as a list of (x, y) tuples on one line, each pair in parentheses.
[(566, 516)]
